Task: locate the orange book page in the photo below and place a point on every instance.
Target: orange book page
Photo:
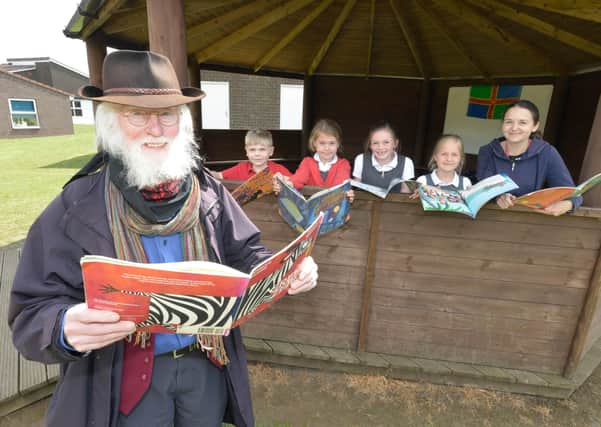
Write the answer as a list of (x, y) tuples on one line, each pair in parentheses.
[(543, 198)]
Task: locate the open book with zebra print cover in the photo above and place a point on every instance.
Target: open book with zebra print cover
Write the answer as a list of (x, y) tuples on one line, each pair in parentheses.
[(192, 297)]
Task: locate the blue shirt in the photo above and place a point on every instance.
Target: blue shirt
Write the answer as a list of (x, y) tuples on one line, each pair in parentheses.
[(161, 249)]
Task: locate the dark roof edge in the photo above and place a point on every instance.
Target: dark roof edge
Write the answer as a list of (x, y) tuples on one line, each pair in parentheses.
[(35, 82), (87, 10)]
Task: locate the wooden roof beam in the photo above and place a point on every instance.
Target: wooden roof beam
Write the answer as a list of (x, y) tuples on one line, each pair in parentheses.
[(346, 10), (440, 26), (198, 30), (250, 29), (107, 11), (372, 18), (541, 26), (476, 19), (125, 22), (588, 10), (409, 38), (323, 5)]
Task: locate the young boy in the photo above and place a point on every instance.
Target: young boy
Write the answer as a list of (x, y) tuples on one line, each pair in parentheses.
[(259, 148)]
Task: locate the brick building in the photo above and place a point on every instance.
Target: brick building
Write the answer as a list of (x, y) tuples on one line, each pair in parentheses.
[(29, 108)]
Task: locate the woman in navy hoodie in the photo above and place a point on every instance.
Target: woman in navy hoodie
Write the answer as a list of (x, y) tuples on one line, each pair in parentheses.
[(531, 162)]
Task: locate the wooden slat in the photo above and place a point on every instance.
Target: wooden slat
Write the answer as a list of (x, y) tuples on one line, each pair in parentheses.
[(409, 38), (537, 24), (52, 372), (384, 298), (329, 337), (456, 353), (298, 28), (346, 236), (483, 269), (489, 325), (585, 336), (515, 252), (32, 375), (9, 359), (266, 19), (482, 288), (484, 230), (370, 271), (589, 10), (348, 7), (473, 339)]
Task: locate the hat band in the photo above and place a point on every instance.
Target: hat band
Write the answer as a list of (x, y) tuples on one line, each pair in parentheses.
[(141, 91)]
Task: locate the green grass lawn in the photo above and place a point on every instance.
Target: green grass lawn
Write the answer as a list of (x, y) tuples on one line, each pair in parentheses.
[(33, 172)]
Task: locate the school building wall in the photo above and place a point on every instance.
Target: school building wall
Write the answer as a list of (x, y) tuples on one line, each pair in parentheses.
[(54, 113), (254, 100)]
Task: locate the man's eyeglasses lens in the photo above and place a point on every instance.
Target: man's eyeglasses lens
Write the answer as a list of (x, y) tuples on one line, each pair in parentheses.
[(141, 118)]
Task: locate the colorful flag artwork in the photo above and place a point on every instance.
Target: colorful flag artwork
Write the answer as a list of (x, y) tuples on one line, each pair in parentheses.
[(491, 101)]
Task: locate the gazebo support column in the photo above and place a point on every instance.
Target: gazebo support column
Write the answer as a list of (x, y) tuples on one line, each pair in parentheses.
[(592, 161), (556, 108), (167, 34), (196, 107), (307, 114), (422, 122)]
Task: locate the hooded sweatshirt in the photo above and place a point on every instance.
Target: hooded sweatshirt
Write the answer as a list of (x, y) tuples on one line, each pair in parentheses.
[(539, 167)]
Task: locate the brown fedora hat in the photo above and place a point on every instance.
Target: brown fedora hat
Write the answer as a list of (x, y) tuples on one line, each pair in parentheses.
[(140, 79)]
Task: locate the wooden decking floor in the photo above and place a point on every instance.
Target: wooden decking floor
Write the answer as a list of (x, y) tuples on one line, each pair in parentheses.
[(25, 381)]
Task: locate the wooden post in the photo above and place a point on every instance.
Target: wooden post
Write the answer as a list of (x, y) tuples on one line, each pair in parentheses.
[(307, 114), (587, 315), (96, 52), (167, 34), (556, 108), (592, 160), (422, 122), (370, 272), (196, 107)]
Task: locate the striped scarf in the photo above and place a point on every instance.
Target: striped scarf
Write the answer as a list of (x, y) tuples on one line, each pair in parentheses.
[(127, 226)]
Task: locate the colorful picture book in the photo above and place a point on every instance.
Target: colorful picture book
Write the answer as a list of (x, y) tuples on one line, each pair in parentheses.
[(467, 202), (192, 297), (409, 184), (254, 187), (543, 198), (299, 212)]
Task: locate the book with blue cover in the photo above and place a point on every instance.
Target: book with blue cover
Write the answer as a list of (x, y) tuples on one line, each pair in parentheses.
[(299, 212), (467, 202)]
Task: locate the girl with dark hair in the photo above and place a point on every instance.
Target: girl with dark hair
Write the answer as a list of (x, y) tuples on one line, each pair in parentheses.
[(522, 154)]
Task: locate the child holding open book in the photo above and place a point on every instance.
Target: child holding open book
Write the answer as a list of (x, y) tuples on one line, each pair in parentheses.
[(528, 160), (446, 163), (382, 162), (258, 145)]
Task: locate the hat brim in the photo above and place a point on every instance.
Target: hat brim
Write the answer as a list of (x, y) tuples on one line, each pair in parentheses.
[(189, 94)]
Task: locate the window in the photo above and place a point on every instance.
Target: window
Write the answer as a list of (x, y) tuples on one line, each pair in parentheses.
[(76, 110), (291, 106), (23, 113)]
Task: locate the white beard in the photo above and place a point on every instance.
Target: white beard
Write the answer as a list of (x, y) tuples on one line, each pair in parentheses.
[(143, 168)]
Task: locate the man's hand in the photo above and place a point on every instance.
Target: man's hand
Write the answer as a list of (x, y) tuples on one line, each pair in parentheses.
[(306, 277), (87, 329)]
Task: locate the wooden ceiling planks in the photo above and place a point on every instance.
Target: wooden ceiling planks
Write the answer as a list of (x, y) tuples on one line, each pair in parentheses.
[(397, 38)]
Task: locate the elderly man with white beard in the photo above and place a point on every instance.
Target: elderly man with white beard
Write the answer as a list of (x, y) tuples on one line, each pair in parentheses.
[(144, 197)]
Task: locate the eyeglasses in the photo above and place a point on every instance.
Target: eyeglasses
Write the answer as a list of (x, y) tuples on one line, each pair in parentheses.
[(140, 118)]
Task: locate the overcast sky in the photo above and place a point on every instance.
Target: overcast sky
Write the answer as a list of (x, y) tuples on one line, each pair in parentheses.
[(35, 28)]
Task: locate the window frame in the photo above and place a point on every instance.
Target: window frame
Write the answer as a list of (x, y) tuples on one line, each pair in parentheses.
[(34, 113), (75, 109)]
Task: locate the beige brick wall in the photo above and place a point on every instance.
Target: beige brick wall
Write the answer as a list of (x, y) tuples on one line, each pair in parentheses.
[(254, 100), (54, 113)]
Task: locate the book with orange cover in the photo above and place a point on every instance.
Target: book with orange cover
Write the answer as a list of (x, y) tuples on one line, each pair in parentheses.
[(543, 198), (192, 297), (254, 187)]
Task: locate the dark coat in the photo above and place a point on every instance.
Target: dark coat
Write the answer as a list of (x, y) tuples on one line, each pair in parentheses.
[(539, 167), (49, 281)]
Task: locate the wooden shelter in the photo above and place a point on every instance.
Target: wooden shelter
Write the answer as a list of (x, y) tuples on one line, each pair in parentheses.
[(510, 298)]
